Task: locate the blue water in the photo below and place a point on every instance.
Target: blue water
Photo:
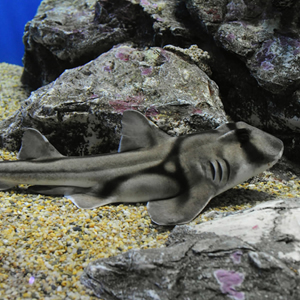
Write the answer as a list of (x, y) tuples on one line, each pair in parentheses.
[(14, 14)]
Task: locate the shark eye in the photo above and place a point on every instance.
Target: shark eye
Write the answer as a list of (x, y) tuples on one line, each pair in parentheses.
[(243, 135)]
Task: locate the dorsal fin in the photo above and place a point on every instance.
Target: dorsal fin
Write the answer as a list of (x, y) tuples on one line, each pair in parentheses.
[(36, 146), (138, 132)]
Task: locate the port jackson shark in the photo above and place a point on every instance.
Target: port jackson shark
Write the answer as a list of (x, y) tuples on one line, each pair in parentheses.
[(177, 176)]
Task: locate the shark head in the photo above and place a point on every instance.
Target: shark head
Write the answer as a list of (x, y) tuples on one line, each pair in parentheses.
[(213, 162), (247, 150)]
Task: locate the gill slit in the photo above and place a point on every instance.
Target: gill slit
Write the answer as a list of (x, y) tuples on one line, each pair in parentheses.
[(219, 168)]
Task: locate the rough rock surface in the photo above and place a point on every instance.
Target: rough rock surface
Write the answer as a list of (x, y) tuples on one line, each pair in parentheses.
[(265, 34), (80, 112), (66, 33), (253, 254)]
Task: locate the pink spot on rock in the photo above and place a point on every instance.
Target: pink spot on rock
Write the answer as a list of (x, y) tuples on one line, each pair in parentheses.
[(266, 65), (121, 106), (228, 280), (255, 227), (108, 67), (146, 71), (197, 111), (131, 102), (123, 54), (230, 37), (236, 257), (158, 18), (214, 13), (94, 96), (145, 2), (165, 55)]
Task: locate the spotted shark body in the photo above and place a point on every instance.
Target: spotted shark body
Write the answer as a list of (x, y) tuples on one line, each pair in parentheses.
[(177, 176)]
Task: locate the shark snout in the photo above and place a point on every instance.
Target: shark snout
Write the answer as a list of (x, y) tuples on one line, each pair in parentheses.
[(281, 151), (276, 148), (273, 148)]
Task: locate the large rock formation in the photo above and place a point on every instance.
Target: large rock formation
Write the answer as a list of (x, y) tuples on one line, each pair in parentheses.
[(253, 254)]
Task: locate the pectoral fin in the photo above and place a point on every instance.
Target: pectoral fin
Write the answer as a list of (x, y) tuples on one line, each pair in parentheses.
[(182, 208), (88, 201)]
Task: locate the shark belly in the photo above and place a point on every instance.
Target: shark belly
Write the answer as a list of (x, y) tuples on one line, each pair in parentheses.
[(138, 188)]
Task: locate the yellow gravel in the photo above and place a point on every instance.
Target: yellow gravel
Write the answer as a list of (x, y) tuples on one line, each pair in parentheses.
[(275, 186), (45, 242), (11, 90)]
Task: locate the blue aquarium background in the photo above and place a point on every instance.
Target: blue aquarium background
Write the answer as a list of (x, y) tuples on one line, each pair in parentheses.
[(14, 14)]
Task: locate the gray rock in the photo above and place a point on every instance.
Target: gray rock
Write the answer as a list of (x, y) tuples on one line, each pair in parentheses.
[(246, 28), (248, 23), (80, 112), (254, 254), (271, 59), (65, 34)]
